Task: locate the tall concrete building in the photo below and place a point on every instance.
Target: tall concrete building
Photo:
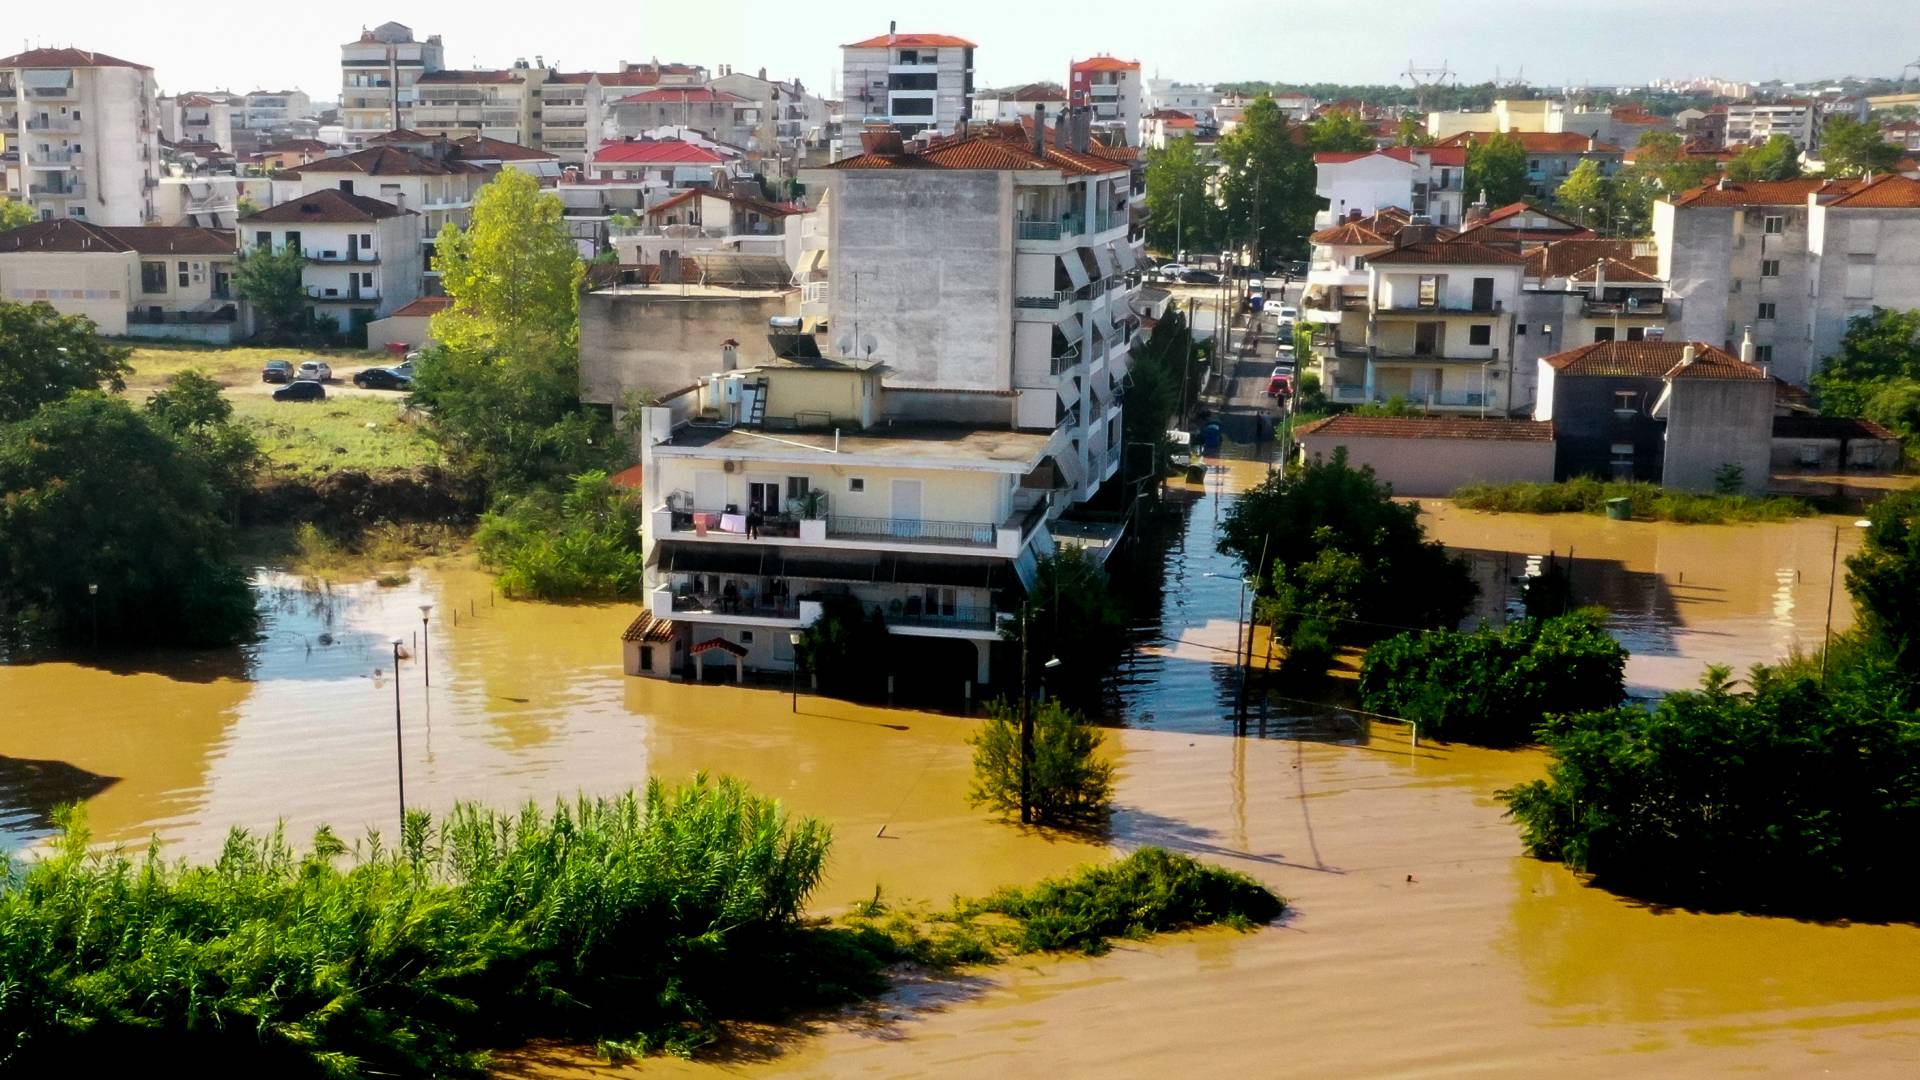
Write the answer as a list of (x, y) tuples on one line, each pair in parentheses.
[(87, 132), (913, 82), (197, 118), (499, 104), (1113, 89), (274, 110), (379, 74)]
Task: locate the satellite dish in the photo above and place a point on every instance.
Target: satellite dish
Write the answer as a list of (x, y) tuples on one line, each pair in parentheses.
[(844, 346), (868, 343)]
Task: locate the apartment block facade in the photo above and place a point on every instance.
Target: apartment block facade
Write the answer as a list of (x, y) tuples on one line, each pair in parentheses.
[(274, 110), (911, 82), (379, 77), (502, 104), (87, 130), (1756, 122), (1114, 90), (138, 281), (363, 255), (198, 118)]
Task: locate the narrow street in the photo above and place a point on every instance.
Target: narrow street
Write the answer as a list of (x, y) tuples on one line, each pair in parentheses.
[(1238, 399)]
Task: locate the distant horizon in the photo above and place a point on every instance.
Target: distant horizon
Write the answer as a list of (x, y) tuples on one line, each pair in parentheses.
[(1212, 41)]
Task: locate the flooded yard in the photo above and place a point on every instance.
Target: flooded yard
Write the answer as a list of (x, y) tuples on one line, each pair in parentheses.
[(1421, 941)]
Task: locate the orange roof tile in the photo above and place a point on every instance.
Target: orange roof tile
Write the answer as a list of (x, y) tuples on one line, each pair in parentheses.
[(66, 58), (909, 41), (1717, 193), (1652, 360), (1350, 426), (1561, 258), (1890, 191), (1448, 253), (1105, 63)]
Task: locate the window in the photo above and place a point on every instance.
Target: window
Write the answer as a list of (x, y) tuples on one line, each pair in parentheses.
[(366, 281), (1627, 401), (1480, 334), (1636, 333), (856, 485), (1603, 333), (1767, 311), (366, 242), (346, 186), (796, 488), (1429, 290), (263, 240), (1774, 224), (1533, 165), (153, 277), (941, 600), (1763, 353), (1520, 330), (746, 637), (913, 107), (1769, 267)]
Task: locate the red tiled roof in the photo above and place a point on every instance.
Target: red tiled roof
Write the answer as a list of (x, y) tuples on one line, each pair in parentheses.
[(1350, 426), (65, 58), (481, 148), (328, 205), (1001, 147), (424, 306), (649, 628), (679, 94), (72, 235), (400, 135), (1652, 360), (1039, 92), (1562, 258), (1447, 253), (1537, 142), (196, 101), (656, 151), (1180, 122), (909, 41), (1890, 191), (1454, 156), (1106, 63), (473, 78), (1718, 193), (386, 161), (1618, 273), (1380, 227), (721, 644)]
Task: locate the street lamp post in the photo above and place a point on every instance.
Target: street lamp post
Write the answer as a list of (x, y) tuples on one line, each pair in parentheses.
[(1179, 222), (426, 664), (399, 750), (93, 599), (1833, 574), (793, 638)]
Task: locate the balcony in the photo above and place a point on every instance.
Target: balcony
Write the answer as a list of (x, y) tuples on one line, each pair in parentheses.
[(1497, 307), (966, 533), (1064, 362), (1053, 299), (54, 123), (52, 93), (59, 191), (1039, 230), (870, 533), (335, 296), (1415, 356), (1613, 309), (53, 158), (340, 258)]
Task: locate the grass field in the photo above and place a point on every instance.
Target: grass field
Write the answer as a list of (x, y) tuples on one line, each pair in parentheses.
[(153, 362), (339, 433)]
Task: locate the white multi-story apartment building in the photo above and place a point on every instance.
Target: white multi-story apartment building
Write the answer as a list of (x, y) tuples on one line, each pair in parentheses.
[(1756, 122), (1009, 276), (274, 110), (1421, 180), (1194, 99), (494, 104), (1551, 155), (1863, 249), (363, 254), (87, 132), (570, 115), (913, 82), (716, 113), (791, 120), (378, 77), (1011, 106), (1113, 89), (197, 118)]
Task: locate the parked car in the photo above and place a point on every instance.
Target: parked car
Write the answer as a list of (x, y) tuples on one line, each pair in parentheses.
[(277, 371), (1200, 277), (1280, 384), (1297, 268), (1170, 271), (301, 390), (1289, 313), (314, 371), (382, 378)]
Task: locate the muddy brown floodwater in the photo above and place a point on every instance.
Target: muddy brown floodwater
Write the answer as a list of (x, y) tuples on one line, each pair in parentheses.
[(1421, 941)]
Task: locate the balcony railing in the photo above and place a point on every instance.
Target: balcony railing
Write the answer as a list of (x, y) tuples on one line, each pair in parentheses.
[(971, 533), (1612, 308), (1039, 230), (340, 257), (59, 191), (1496, 307), (1046, 300), (54, 157), (1065, 362), (814, 292), (54, 123)]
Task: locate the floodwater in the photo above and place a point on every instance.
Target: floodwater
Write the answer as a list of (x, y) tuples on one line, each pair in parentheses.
[(1421, 942)]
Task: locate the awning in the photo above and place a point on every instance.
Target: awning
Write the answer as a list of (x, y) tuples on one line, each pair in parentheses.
[(1076, 269), (1073, 327), (1069, 391), (1124, 252), (1103, 255)]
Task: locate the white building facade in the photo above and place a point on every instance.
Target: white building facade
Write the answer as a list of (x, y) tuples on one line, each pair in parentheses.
[(87, 130), (913, 82), (379, 74)]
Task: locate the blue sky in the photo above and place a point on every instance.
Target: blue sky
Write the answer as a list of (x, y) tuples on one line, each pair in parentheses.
[(238, 48)]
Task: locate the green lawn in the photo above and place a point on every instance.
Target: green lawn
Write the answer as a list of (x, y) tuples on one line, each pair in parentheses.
[(305, 437), (154, 362)]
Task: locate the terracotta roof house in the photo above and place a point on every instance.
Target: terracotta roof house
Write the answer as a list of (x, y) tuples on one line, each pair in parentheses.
[(1435, 455), (327, 205), (138, 281)]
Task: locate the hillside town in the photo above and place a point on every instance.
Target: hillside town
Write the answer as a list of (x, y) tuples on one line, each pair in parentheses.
[(665, 528)]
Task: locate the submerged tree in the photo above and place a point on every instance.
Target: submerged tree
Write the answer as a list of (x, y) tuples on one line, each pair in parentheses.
[(1068, 785)]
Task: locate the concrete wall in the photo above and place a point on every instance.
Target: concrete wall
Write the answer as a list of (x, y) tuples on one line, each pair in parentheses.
[(409, 329), (1859, 259), (1438, 466), (660, 341), (1867, 455), (665, 656), (933, 254), (1364, 184), (1712, 423), (99, 286), (1586, 428)]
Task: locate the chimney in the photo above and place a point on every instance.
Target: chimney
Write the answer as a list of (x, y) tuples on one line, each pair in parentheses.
[(729, 355), (1083, 129), (1354, 214), (1418, 230), (1476, 213), (1592, 144), (1039, 129), (1747, 350), (1687, 355), (892, 32), (400, 200), (1062, 130), (1600, 280), (1725, 183)]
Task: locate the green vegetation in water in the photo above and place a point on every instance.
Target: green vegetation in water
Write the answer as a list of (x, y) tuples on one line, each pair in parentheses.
[(583, 544), (1651, 502), (377, 550), (1069, 783), (642, 922)]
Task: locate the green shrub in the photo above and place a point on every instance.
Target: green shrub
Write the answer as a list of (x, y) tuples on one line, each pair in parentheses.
[(1495, 687), (583, 545), (1150, 891), (1797, 797), (1069, 785), (1651, 502), (844, 649)]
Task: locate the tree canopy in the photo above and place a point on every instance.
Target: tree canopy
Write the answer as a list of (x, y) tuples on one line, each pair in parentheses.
[(1181, 212), (1586, 194), (1884, 578), (44, 356), (14, 214), (1879, 348), (1776, 159), (513, 272), (1339, 131), (1267, 182), (1070, 614), (273, 282), (1497, 170), (1851, 148)]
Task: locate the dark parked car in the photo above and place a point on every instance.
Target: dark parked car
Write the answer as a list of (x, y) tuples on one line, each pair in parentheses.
[(302, 390), (380, 378), (277, 371), (1200, 277)]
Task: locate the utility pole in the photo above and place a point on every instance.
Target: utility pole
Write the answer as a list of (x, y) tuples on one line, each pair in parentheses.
[(1186, 369), (1026, 724)]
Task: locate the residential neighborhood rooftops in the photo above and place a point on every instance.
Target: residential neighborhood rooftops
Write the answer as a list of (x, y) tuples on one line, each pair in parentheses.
[(910, 41), (1106, 63), (472, 78), (424, 306), (1038, 92), (1438, 155), (1617, 272), (1564, 258), (683, 94), (1889, 191), (66, 58), (72, 235), (328, 205), (482, 148), (387, 161), (1350, 426), (657, 152), (1652, 360), (996, 149), (1727, 193)]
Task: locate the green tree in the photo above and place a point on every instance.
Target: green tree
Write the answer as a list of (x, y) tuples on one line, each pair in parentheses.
[(14, 214), (1884, 578), (1495, 686), (192, 410), (513, 273), (244, 206), (1181, 212), (98, 496), (1410, 582), (1266, 185), (1586, 194), (1071, 615), (1896, 404), (1776, 159), (582, 545), (1851, 148), (1497, 170), (1069, 784), (273, 282), (1411, 132), (846, 649), (44, 356), (1879, 347), (1339, 131)]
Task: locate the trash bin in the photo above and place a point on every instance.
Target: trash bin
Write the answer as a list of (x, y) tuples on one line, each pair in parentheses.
[(1620, 509)]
